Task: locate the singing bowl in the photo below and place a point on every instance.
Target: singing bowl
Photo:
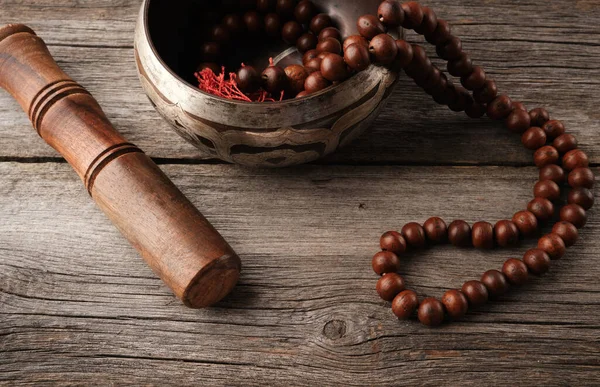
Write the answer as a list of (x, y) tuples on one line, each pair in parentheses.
[(269, 134)]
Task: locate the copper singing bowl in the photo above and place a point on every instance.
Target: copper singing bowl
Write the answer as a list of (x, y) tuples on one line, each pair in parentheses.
[(275, 134)]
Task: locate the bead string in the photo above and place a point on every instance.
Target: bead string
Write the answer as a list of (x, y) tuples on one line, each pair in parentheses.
[(557, 156)]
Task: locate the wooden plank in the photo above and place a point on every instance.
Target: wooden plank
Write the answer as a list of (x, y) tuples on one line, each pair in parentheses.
[(547, 60), (78, 306)]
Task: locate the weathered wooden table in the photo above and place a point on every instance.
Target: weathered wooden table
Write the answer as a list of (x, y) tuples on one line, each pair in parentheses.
[(77, 304)]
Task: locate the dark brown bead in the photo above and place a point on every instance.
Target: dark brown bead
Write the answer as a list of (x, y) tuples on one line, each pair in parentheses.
[(285, 8), (537, 261), (248, 79), (254, 22), (582, 197), (553, 245), (565, 143), (393, 241), (567, 232), (305, 11), (265, 5), (413, 15), (234, 23), (272, 25), (450, 49), (334, 69), (211, 51), (315, 81), (482, 235), (274, 79), (543, 209), (432, 81), (506, 233), (390, 13), (546, 155), (460, 66), (302, 94), (383, 49), (518, 121), (553, 128), (330, 45), (476, 292), (320, 22), (582, 177), (459, 233), (442, 33), (355, 39), (431, 312), (429, 23), (463, 98), (389, 286), (323, 54), (515, 271), (500, 107), (575, 159), (547, 189), (357, 57), (475, 80), (539, 116), (330, 32), (405, 304), (420, 66), (312, 66), (369, 26), (526, 222), (455, 303), (486, 93), (519, 106), (553, 172), (475, 110), (405, 53), (573, 214), (436, 230), (307, 42), (297, 75), (291, 32), (221, 34), (414, 234), (215, 68), (534, 138), (495, 282), (385, 262)]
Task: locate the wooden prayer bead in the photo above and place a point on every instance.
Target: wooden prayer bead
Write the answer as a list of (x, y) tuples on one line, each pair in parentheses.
[(543, 209), (442, 33), (390, 13), (405, 53), (565, 143), (334, 69), (248, 79), (211, 51), (539, 116), (486, 93), (313, 65), (460, 66), (552, 172), (575, 159), (482, 235), (285, 8), (459, 233), (476, 293), (495, 282), (307, 42), (573, 214), (383, 49), (413, 15), (455, 303), (545, 155), (414, 234), (463, 98), (393, 241), (582, 177), (567, 232), (582, 197), (357, 57), (291, 32), (369, 26), (518, 121), (302, 94), (500, 107), (431, 312), (519, 106), (274, 79), (436, 230), (506, 233), (355, 39), (272, 25), (526, 222), (534, 138), (330, 45), (305, 11), (389, 286), (330, 32), (385, 262), (450, 49), (320, 22), (475, 80), (221, 34), (553, 245), (537, 261), (420, 65), (234, 23), (475, 110), (432, 80), (254, 22), (547, 189), (553, 129), (315, 81), (405, 304), (297, 75), (515, 271), (323, 54), (429, 23)]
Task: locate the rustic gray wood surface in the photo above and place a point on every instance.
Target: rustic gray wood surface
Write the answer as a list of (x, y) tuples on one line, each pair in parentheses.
[(78, 306)]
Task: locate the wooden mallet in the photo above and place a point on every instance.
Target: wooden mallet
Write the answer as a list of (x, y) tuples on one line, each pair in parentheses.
[(178, 243)]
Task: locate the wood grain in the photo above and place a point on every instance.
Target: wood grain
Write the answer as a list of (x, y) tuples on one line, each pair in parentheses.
[(78, 306)]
